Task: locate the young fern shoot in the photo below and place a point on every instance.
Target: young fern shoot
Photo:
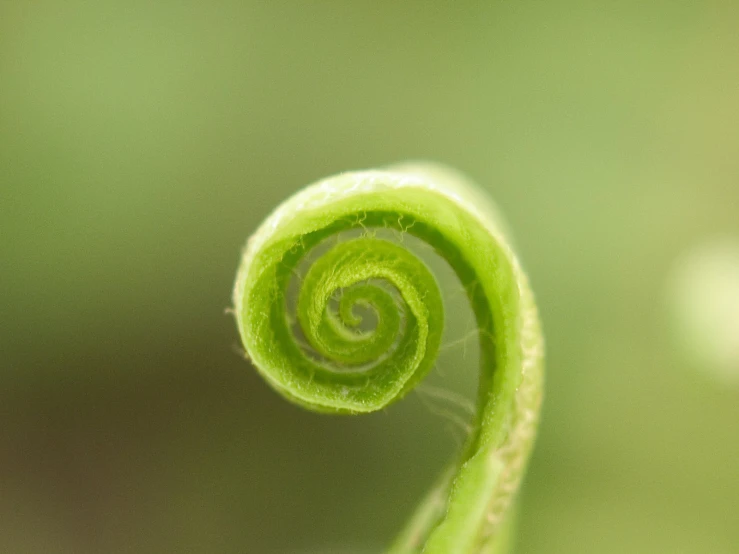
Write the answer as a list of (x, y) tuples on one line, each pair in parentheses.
[(339, 366)]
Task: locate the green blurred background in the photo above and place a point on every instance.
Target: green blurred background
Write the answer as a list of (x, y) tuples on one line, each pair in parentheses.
[(141, 143)]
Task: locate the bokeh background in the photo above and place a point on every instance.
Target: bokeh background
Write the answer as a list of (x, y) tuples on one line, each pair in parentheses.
[(142, 142)]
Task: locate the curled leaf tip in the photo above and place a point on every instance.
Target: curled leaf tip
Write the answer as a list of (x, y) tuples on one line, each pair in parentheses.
[(339, 319)]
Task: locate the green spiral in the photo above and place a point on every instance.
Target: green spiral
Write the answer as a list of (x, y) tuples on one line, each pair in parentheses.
[(368, 322)]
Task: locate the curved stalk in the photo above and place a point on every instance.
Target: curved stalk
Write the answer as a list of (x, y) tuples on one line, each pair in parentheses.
[(325, 358)]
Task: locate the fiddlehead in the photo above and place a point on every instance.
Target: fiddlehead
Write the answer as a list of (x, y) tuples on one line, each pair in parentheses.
[(324, 358)]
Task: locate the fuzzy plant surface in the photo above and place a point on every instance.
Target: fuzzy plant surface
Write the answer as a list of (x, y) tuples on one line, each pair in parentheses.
[(307, 337)]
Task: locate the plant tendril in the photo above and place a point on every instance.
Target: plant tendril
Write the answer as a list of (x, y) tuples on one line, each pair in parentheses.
[(368, 325)]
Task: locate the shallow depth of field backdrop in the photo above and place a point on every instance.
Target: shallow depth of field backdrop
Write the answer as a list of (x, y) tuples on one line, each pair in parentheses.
[(141, 143)]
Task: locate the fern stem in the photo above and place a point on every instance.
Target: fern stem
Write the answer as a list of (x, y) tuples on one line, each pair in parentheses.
[(346, 368)]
